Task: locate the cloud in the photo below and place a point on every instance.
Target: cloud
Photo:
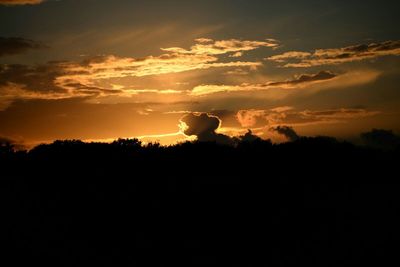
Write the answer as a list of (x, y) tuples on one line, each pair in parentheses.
[(112, 67), (291, 117), (153, 91), (381, 139), (290, 55), (280, 122), (22, 82), (38, 78), (204, 127), (235, 47), (250, 118), (237, 54), (334, 56), (236, 72), (13, 92), (15, 45), (306, 78), (101, 76), (327, 116), (203, 40), (30, 82), (297, 82), (287, 131), (20, 2), (203, 55)]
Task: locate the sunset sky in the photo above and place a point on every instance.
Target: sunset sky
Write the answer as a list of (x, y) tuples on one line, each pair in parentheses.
[(103, 69)]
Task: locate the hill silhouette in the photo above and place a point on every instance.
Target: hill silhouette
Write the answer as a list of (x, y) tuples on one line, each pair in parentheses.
[(314, 201)]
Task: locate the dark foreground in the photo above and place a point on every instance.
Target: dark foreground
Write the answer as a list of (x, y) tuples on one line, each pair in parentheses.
[(315, 201)]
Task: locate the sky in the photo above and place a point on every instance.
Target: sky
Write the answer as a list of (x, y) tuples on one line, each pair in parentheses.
[(163, 70)]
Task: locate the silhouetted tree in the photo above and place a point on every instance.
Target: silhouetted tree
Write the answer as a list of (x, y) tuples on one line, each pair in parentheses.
[(250, 203), (381, 139)]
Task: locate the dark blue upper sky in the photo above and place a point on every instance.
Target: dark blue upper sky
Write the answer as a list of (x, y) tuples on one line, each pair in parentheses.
[(300, 24)]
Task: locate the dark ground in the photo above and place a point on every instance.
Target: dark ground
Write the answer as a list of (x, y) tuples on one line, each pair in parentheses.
[(315, 201)]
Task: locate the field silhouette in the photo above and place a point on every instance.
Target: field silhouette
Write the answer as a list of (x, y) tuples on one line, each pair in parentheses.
[(314, 201)]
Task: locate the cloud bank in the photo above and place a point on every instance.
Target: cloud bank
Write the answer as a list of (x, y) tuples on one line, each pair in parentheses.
[(15, 45), (111, 67), (201, 56), (297, 82), (99, 76), (334, 56), (236, 47), (290, 117)]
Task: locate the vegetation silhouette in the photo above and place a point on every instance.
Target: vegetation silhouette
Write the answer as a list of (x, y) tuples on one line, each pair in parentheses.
[(314, 201)]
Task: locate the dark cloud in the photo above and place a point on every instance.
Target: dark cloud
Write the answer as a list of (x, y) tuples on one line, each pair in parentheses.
[(381, 139), (34, 78), (15, 45), (25, 82), (22, 82), (287, 131), (335, 56), (295, 83), (204, 126), (307, 78), (43, 79), (289, 116)]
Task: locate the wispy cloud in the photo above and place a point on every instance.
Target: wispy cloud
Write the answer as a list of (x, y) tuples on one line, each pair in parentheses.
[(290, 55), (236, 47), (20, 2), (11, 92), (111, 67), (22, 82), (334, 56), (203, 55), (99, 76), (297, 82), (15, 45), (291, 117)]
